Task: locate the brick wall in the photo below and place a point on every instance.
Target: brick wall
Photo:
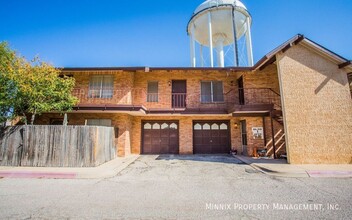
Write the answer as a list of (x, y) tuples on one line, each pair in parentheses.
[(317, 108), (131, 87), (193, 80), (186, 131), (123, 87), (130, 127)]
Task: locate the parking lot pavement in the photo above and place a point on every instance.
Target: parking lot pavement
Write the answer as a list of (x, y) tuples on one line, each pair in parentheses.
[(178, 187)]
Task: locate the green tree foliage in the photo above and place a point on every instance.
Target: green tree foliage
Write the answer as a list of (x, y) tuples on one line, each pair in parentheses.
[(8, 67), (32, 88)]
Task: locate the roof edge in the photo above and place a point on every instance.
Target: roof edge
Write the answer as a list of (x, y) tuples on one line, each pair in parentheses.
[(149, 69), (296, 40)]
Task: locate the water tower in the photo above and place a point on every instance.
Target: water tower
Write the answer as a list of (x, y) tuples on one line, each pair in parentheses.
[(223, 26)]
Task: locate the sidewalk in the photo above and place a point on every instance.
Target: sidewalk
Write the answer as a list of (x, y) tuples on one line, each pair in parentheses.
[(280, 168), (106, 170)]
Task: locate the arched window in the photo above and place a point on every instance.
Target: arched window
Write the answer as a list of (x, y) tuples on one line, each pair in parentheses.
[(223, 126), (173, 126), (197, 127), (214, 126), (206, 126), (156, 126), (147, 126)]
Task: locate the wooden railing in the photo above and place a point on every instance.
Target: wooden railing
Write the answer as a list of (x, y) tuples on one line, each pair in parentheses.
[(251, 96), (179, 100)]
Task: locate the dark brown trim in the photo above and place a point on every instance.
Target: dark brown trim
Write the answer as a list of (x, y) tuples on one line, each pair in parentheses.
[(108, 108), (150, 69), (273, 53), (299, 39), (269, 62), (253, 108), (288, 46), (206, 111), (342, 65), (295, 42), (248, 114), (264, 130), (165, 111)]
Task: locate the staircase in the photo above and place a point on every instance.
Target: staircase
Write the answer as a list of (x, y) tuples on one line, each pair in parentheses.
[(279, 137)]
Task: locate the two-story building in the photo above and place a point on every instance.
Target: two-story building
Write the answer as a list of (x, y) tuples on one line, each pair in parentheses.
[(295, 100)]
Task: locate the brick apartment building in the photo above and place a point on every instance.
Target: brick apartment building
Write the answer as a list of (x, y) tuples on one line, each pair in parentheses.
[(295, 100)]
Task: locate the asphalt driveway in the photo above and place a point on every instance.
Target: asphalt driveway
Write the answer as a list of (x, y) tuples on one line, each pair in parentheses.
[(177, 187)]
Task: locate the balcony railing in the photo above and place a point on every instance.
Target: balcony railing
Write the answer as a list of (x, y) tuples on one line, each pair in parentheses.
[(153, 97), (226, 102), (253, 96), (179, 100)]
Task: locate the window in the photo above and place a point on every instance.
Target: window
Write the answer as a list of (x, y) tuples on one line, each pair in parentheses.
[(212, 92), (101, 86), (56, 121), (197, 127), (147, 126), (153, 95), (99, 122)]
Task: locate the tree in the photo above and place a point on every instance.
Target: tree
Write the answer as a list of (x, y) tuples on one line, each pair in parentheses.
[(8, 62), (34, 88)]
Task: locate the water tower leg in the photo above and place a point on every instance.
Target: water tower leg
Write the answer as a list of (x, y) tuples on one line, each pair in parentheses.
[(201, 56), (220, 51), (210, 40), (193, 49), (249, 44), (235, 46)]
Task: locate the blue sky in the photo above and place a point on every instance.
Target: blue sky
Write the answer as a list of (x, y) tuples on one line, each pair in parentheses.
[(96, 33)]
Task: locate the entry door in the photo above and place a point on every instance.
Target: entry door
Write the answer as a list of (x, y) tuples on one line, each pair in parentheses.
[(211, 137), (244, 137), (160, 137), (179, 92)]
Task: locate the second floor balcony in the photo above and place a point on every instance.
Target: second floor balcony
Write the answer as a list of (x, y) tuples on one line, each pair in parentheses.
[(235, 100)]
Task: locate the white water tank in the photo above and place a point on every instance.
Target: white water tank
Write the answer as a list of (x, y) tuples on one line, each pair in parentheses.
[(220, 25)]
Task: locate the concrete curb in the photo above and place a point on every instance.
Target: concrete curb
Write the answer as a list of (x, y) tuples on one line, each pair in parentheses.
[(107, 170), (326, 173), (272, 172)]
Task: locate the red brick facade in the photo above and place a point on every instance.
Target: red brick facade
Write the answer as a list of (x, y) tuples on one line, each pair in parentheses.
[(130, 89)]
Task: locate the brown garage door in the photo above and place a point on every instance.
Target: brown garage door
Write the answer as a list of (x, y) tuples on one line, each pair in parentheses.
[(160, 137), (211, 137)]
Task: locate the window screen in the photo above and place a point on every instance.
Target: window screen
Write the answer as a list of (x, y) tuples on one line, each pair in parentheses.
[(99, 122), (212, 92), (101, 86), (153, 90), (206, 92), (218, 94)]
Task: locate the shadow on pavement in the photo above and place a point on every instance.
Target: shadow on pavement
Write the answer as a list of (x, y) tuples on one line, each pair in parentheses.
[(218, 158)]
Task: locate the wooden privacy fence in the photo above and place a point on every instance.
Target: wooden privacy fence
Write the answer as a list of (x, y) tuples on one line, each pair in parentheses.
[(57, 146)]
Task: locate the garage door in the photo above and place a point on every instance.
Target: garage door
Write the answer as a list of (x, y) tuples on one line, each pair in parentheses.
[(160, 137), (211, 137)]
